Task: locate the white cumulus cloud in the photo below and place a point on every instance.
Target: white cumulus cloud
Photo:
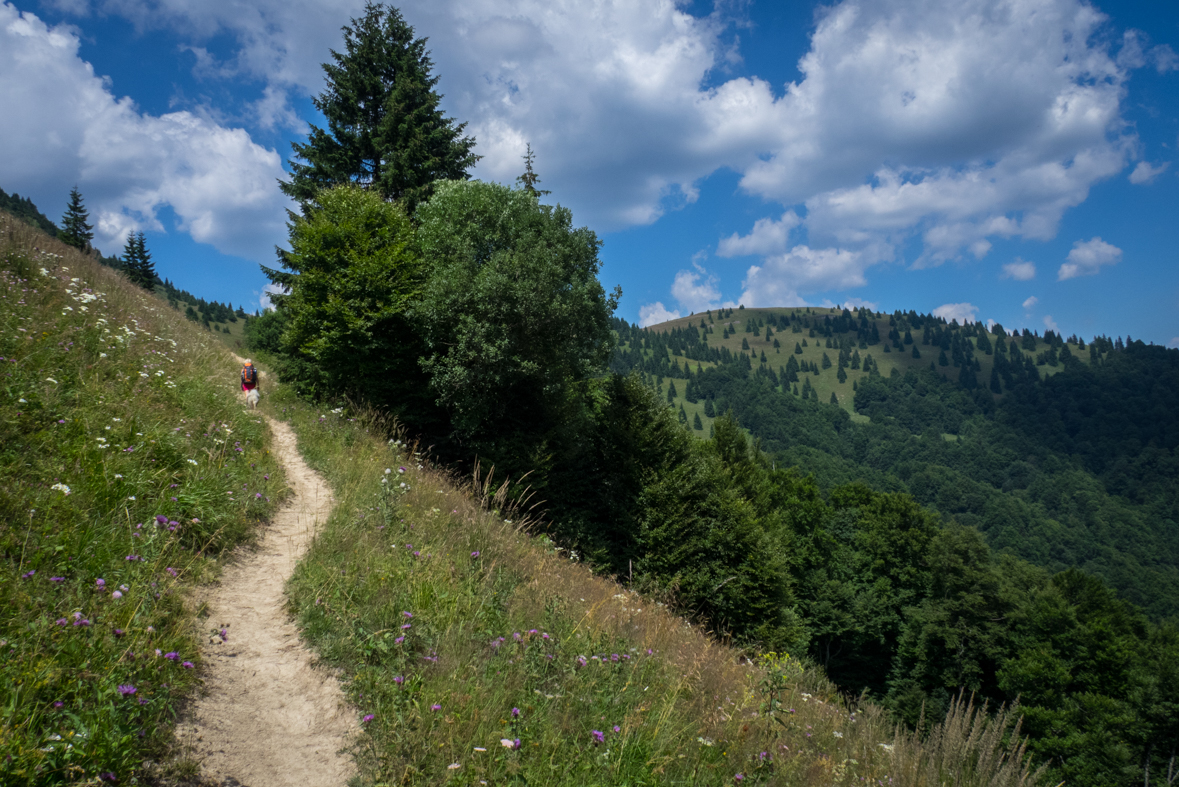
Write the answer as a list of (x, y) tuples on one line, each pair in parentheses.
[(695, 290), (1050, 323), (1144, 173), (62, 125), (1088, 257), (769, 236), (962, 312), (1020, 270), (781, 279), (1030, 302), (655, 313)]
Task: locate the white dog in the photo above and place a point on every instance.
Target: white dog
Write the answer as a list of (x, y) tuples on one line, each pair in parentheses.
[(252, 398)]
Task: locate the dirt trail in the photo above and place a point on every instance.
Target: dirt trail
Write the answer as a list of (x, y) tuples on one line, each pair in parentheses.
[(268, 719)]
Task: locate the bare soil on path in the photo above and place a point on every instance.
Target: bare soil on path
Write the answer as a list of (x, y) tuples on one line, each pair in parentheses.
[(268, 718)]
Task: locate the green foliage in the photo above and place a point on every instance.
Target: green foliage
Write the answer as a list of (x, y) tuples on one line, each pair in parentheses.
[(352, 270), (512, 314), (385, 130), (137, 262), (76, 229)]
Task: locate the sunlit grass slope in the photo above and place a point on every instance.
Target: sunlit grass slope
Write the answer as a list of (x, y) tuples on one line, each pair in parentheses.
[(478, 654), (127, 465), (813, 347)]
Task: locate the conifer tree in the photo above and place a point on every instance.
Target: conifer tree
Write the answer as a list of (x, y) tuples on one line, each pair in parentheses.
[(697, 424), (384, 128), (137, 261), (834, 398), (529, 180), (709, 409), (75, 224)]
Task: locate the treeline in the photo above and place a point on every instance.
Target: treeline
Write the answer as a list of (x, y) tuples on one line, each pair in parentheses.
[(24, 209)]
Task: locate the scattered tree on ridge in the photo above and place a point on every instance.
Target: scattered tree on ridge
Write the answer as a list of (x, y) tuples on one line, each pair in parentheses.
[(529, 179), (137, 262)]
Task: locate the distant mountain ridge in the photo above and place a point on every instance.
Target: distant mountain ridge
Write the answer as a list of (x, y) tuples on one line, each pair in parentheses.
[(1071, 463)]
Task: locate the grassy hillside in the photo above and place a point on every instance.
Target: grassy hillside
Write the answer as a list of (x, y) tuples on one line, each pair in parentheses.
[(127, 466), (481, 655), (476, 653), (799, 332)]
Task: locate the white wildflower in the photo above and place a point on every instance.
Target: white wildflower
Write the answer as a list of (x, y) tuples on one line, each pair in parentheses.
[(61, 488)]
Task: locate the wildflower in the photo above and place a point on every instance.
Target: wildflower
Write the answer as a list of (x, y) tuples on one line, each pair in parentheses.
[(132, 497), (401, 470), (515, 713), (58, 704), (29, 574), (838, 734), (191, 461), (399, 640), (118, 632), (507, 743), (475, 553), (407, 626), (117, 594), (435, 707), (57, 579), (186, 664), (480, 748), (100, 583), (172, 655), (369, 717), (132, 557), (62, 621), (454, 766), (127, 690), (599, 737), (399, 680), (61, 488), (739, 778), (617, 728)]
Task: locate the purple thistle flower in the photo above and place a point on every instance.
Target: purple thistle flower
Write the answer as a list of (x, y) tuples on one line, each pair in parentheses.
[(224, 635), (399, 680), (172, 655), (599, 737), (142, 701), (399, 640), (369, 717), (475, 553), (435, 707), (516, 743), (516, 636), (187, 664), (515, 713), (171, 571), (58, 704), (57, 579), (62, 621), (161, 519), (739, 778), (126, 690), (118, 632), (26, 576), (100, 583), (617, 728)]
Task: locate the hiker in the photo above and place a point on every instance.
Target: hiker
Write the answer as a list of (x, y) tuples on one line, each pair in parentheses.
[(249, 376)]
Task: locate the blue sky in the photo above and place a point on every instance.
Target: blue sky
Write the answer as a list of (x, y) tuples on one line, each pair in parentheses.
[(1009, 160)]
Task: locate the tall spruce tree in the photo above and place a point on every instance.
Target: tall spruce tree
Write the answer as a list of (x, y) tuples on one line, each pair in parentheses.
[(385, 130), (137, 261), (76, 229)]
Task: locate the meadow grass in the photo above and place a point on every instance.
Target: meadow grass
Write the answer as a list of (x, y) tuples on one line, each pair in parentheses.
[(478, 652), (127, 467)]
